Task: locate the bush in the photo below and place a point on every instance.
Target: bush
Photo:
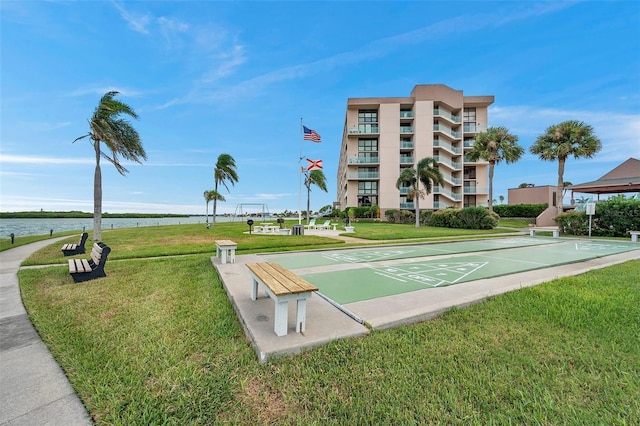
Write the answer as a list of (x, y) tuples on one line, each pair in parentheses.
[(573, 223), (519, 210), (466, 218), (446, 218), (613, 218), (391, 215), (425, 216)]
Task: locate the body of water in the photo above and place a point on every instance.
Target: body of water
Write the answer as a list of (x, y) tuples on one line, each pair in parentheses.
[(22, 227)]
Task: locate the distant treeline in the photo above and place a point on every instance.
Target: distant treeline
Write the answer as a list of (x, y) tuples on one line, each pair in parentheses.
[(78, 214)]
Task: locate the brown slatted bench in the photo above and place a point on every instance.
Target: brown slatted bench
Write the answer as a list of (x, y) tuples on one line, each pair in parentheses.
[(282, 286), (71, 249), (88, 269)]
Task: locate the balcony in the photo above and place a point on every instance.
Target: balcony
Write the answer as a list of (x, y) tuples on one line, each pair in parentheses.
[(437, 112), (473, 128), (407, 206), (363, 175), (441, 205), (406, 129), (444, 160), (363, 160), (447, 146), (406, 144), (406, 160), (364, 129), (450, 178), (447, 193), (446, 131), (404, 190), (476, 190), (406, 114)]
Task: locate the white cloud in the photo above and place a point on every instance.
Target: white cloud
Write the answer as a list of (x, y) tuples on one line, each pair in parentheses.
[(137, 23), (618, 132), (32, 159)]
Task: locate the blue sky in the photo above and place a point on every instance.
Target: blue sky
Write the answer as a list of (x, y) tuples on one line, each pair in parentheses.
[(236, 77)]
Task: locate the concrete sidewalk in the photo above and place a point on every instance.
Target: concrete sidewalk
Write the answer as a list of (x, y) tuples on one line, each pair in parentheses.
[(33, 388)]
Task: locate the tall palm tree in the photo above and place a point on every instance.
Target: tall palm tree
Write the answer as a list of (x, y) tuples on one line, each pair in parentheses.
[(569, 138), (427, 173), (317, 178), (224, 171), (122, 140), (495, 145)]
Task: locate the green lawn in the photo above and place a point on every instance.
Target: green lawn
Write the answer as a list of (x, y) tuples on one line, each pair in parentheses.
[(158, 342)]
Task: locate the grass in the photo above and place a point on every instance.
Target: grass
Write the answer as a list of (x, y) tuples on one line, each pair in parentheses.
[(157, 342)]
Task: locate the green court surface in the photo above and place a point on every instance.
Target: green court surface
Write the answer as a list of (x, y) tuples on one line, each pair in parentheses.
[(371, 273), (335, 257)]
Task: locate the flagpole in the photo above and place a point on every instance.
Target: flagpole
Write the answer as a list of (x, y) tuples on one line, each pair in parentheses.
[(300, 178)]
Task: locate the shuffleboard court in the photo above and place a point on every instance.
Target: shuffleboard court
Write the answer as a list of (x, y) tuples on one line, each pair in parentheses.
[(335, 257), (400, 269)]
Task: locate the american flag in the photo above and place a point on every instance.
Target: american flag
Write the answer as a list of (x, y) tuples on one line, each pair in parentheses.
[(311, 135)]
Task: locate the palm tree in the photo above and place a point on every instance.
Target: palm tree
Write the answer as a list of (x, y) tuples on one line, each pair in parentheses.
[(569, 138), (427, 173), (224, 171), (208, 197), (494, 145), (120, 138), (317, 178)]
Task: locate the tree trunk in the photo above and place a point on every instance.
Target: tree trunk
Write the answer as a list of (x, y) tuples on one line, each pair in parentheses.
[(559, 201), (97, 196), (215, 203), (207, 213), (491, 164), (416, 198)]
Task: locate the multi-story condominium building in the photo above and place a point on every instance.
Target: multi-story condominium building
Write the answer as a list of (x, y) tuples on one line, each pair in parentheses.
[(383, 135)]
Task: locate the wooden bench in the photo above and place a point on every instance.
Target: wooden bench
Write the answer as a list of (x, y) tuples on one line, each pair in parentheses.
[(88, 269), (634, 236), (71, 249), (282, 286), (226, 246), (554, 229)]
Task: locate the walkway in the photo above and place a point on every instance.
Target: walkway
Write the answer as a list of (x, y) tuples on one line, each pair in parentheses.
[(33, 388)]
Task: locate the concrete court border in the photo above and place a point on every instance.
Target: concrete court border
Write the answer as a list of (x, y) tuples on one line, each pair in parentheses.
[(326, 323)]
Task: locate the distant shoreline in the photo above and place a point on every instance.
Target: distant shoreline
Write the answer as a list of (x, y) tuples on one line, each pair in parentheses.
[(84, 215)]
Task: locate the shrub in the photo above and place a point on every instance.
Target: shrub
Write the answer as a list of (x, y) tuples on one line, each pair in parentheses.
[(573, 223), (466, 218), (425, 216), (391, 215), (519, 210)]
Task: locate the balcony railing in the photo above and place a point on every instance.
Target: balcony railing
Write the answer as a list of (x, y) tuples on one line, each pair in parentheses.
[(444, 160), (446, 130), (363, 160), (404, 190), (441, 205), (473, 128), (469, 143), (446, 114), (406, 129), (406, 144), (406, 206), (406, 160), (450, 178), (476, 190), (406, 114), (364, 130), (363, 175), (439, 190), (447, 146)]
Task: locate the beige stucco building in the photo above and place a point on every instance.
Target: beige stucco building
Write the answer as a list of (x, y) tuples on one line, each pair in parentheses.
[(383, 135)]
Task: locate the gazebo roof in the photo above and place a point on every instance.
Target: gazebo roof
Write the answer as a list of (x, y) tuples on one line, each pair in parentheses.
[(624, 178)]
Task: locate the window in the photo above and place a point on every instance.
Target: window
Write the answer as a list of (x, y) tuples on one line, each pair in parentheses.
[(367, 145), (470, 173), (368, 116), (368, 187), (469, 115)]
